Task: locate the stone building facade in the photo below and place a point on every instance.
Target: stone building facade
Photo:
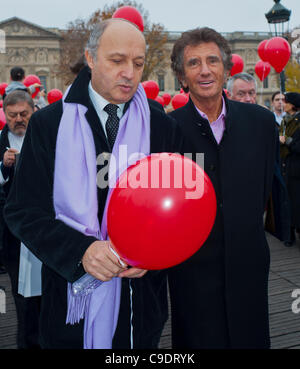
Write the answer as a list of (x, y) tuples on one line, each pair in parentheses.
[(37, 50), (34, 48)]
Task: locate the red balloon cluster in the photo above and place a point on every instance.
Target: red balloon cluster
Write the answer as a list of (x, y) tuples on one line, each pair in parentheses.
[(2, 119), (152, 222), (276, 52), (131, 14), (151, 88), (2, 88), (179, 100), (30, 80), (238, 64), (54, 95)]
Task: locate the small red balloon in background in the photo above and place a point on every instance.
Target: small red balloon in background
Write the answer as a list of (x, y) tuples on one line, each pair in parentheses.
[(2, 119), (179, 100), (30, 80), (131, 14), (238, 64), (54, 95), (261, 50), (2, 88), (160, 100), (226, 92), (1, 103), (278, 53), (167, 98), (152, 221), (262, 69), (151, 88)]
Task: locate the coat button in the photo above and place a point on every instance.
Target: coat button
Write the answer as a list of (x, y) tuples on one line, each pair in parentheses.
[(212, 167), (203, 134)]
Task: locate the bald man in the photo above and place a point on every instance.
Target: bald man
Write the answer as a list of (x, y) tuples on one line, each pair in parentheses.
[(63, 221)]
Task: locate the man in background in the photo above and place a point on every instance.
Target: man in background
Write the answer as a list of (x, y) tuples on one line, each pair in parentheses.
[(18, 107), (242, 87), (278, 103)]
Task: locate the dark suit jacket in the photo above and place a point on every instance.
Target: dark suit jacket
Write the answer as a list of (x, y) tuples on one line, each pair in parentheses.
[(10, 244), (30, 215), (223, 288)]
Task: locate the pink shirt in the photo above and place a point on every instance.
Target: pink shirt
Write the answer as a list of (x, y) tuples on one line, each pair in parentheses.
[(218, 126)]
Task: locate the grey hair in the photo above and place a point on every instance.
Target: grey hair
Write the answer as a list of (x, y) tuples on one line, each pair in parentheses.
[(97, 32), (16, 97), (243, 76), (95, 37)]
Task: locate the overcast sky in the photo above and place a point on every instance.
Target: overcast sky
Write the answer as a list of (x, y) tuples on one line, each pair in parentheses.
[(175, 15)]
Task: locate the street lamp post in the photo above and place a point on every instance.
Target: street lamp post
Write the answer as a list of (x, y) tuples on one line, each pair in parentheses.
[(278, 16)]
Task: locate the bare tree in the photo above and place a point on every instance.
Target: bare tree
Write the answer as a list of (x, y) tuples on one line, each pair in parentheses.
[(77, 33)]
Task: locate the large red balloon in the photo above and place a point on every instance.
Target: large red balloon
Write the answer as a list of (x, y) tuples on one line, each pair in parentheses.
[(262, 69), (30, 80), (179, 100), (54, 95), (160, 100), (2, 88), (278, 52), (131, 14), (153, 220), (238, 64), (167, 98), (2, 119), (151, 88), (261, 50)]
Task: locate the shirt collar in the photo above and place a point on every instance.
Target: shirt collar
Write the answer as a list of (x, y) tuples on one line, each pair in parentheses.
[(221, 116), (100, 103)]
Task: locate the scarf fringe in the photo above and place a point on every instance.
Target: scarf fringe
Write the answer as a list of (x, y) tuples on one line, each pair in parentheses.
[(77, 306)]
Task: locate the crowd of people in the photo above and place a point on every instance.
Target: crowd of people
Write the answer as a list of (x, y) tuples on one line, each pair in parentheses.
[(51, 205)]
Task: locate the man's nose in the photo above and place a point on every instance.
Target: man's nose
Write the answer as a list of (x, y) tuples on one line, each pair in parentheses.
[(19, 118), (205, 68), (128, 71)]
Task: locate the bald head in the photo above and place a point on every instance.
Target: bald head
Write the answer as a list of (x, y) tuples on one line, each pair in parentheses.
[(119, 25), (118, 63)]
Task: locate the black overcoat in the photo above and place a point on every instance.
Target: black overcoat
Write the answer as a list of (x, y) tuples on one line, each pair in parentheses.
[(30, 215), (10, 244), (220, 295)]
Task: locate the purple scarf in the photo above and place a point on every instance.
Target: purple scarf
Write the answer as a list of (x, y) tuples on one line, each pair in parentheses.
[(76, 204)]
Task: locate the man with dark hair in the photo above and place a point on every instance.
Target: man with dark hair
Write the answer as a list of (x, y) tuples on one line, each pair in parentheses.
[(290, 157), (219, 297), (17, 76), (18, 108), (278, 103), (63, 220)]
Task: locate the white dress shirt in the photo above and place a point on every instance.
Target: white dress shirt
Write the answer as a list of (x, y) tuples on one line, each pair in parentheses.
[(100, 103)]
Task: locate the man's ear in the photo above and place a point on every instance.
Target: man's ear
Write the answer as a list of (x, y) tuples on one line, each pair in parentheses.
[(89, 59)]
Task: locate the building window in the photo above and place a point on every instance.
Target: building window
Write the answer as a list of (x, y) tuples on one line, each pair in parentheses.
[(267, 104), (43, 80), (266, 82), (177, 85), (161, 82)]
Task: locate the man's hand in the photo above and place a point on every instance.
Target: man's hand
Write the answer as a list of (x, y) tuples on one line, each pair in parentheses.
[(9, 157), (100, 262), (282, 139), (133, 273)]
